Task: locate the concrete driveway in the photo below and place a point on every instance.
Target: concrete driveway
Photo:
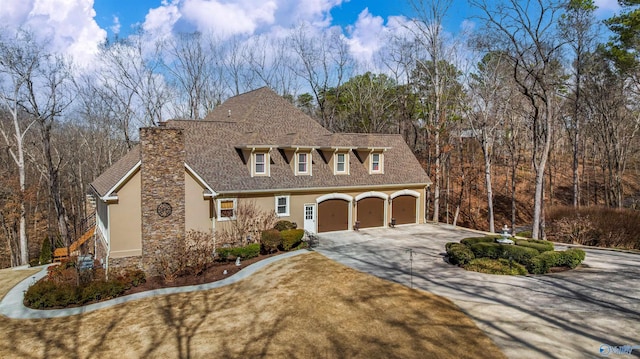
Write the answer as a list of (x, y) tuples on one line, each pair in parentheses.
[(585, 313)]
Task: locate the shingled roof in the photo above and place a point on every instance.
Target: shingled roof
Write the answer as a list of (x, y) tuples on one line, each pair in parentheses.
[(263, 118)]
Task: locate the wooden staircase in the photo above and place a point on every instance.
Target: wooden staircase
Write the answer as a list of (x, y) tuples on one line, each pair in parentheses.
[(74, 249), (64, 253)]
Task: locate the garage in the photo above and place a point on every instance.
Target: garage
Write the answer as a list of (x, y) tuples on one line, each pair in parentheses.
[(371, 212), (333, 215), (403, 209)]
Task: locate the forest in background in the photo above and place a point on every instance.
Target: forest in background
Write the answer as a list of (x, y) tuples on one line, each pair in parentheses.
[(537, 107)]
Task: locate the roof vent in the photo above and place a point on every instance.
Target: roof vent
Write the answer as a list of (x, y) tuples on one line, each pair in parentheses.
[(229, 114)]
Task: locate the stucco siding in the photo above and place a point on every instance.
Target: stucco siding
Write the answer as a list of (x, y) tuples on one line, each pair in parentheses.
[(125, 232), (196, 206), (297, 200)]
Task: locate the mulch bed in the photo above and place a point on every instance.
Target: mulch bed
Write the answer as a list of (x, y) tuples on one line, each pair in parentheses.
[(213, 273)]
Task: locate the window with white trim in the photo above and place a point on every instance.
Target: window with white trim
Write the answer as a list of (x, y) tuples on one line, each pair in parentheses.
[(227, 209), (341, 163), (260, 163), (282, 206), (376, 163), (303, 163)]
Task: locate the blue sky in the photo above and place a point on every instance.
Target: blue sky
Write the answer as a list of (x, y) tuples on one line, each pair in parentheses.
[(130, 13), (78, 27)]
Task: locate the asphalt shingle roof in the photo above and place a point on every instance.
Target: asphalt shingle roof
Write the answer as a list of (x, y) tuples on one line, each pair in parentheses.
[(263, 118)]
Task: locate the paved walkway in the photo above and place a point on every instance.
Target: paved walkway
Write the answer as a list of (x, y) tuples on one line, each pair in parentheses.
[(12, 307), (563, 315)]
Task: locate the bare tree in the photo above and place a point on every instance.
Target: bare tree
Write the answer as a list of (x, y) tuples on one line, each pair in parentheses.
[(19, 59), (323, 63), (526, 32), (615, 126), (490, 94), (577, 25), (191, 63), (47, 96), (130, 81), (428, 30)]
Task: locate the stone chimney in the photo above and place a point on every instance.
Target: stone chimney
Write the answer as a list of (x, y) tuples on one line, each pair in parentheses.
[(163, 194)]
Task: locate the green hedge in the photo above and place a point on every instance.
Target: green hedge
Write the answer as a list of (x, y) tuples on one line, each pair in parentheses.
[(496, 266), (246, 252), (525, 234), (539, 245), (47, 294), (519, 254), (541, 263), (459, 254), (572, 257), (291, 238), (474, 240), (487, 250), (270, 240), (569, 258)]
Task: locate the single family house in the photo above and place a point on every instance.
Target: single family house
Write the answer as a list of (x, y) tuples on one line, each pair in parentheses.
[(191, 175)]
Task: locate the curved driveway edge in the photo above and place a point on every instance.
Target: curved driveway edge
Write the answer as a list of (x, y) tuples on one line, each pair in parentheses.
[(583, 313), (12, 305)]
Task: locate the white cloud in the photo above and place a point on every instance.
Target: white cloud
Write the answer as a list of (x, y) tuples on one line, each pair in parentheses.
[(160, 21), (365, 36), (67, 26), (115, 28), (315, 12), (242, 17)]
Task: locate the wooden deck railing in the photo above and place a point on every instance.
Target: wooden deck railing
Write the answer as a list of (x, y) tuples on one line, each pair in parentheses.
[(63, 253)]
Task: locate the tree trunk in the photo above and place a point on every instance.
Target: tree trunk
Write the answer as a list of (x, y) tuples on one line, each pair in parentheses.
[(54, 186), (487, 180)]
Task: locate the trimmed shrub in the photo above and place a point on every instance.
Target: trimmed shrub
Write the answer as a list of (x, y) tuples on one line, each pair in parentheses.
[(473, 240), (496, 266), (48, 294), (459, 254), (541, 263), (539, 245), (284, 225), (572, 257), (525, 234), (291, 238), (449, 244), (46, 254), (246, 252), (270, 240), (519, 254), (100, 290), (487, 250), (569, 258)]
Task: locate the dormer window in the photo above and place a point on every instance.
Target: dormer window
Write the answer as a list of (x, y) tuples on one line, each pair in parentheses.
[(303, 163), (261, 167), (341, 163), (376, 163), (261, 164)]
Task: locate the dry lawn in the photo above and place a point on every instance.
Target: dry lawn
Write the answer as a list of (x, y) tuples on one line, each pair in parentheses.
[(10, 277), (303, 307)]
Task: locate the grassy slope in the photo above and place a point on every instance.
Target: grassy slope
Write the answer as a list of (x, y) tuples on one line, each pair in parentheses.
[(307, 306), (10, 277)]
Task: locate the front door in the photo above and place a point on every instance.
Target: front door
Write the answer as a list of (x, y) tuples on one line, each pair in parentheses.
[(310, 218)]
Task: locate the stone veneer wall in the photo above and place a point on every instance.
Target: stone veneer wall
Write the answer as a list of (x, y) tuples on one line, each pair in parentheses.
[(162, 175)]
